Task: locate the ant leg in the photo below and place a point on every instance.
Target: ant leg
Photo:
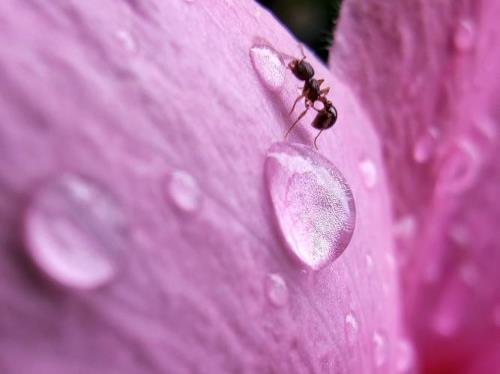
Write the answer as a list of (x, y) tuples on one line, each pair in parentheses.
[(316, 138), (295, 103), (297, 121)]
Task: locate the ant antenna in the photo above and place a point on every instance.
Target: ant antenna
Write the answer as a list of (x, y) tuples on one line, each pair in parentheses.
[(301, 46)]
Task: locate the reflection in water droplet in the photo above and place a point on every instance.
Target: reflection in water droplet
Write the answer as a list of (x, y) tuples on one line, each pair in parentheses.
[(351, 328), (464, 36), (369, 172), (75, 232), (184, 191), (269, 66), (379, 349), (276, 290), (405, 356), (425, 145), (314, 205), (459, 169), (126, 40)]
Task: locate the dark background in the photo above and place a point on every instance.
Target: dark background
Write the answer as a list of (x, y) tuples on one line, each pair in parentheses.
[(312, 21)]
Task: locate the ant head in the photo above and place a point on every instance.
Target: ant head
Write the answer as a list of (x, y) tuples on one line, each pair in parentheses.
[(301, 69)]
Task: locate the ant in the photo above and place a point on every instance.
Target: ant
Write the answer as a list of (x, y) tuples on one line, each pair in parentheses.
[(312, 92)]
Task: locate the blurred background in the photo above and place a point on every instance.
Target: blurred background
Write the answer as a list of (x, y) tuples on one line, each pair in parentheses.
[(312, 21)]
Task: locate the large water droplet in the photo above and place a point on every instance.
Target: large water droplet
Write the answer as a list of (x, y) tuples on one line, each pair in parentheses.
[(405, 356), (459, 168), (351, 328), (184, 191), (369, 172), (276, 290), (464, 36), (269, 66), (75, 232), (379, 349), (425, 145), (314, 205)]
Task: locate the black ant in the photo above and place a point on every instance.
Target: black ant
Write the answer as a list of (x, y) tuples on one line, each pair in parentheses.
[(312, 92)]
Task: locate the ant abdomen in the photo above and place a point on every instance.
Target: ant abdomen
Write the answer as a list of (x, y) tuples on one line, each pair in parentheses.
[(325, 118)]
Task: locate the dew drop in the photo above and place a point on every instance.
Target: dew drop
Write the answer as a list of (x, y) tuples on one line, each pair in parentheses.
[(313, 204), (464, 36), (269, 66), (447, 316), (379, 349), (369, 172), (496, 315), (469, 274), (405, 356), (75, 232), (276, 290), (459, 168), (424, 146), (126, 40), (369, 261), (459, 234), (184, 191), (351, 328)]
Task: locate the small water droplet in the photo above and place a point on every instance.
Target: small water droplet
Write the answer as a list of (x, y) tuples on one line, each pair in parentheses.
[(369, 172), (469, 274), (459, 168), (448, 310), (379, 349), (404, 230), (391, 261), (127, 40), (496, 315), (313, 204), (351, 328), (269, 66), (75, 232), (459, 234), (405, 356), (405, 227), (464, 36), (425, 145), (369, 261), (276, 290), (184, 191), (432, 272), (487, 128)]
